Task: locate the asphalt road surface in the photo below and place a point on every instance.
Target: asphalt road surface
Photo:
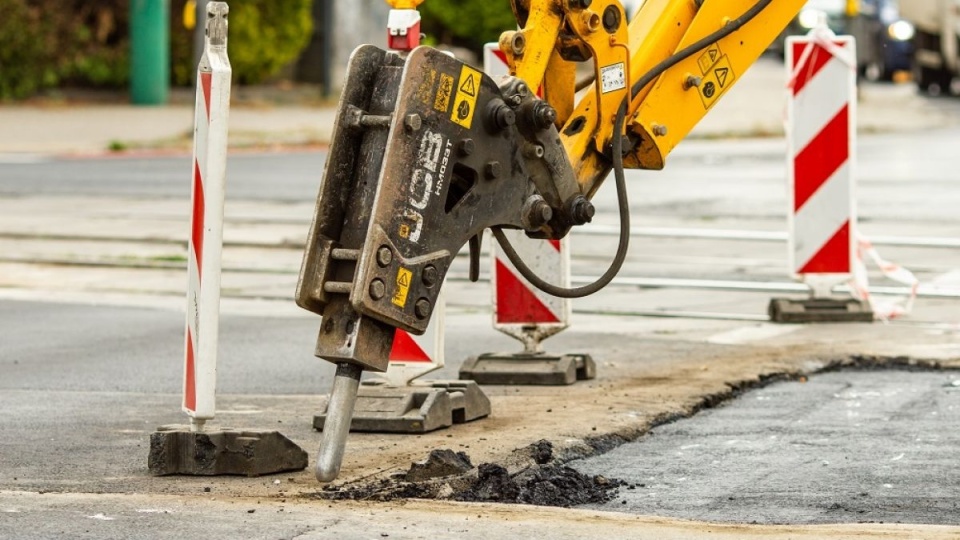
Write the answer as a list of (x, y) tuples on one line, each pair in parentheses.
[(82, 384), (842, 447)]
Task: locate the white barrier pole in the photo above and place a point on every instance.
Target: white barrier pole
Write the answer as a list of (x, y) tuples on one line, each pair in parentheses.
[(206, 221)]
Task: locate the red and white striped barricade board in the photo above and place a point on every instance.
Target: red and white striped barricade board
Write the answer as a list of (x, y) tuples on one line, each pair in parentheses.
[(821, 125), (821, 135), (521, 310), (206, 225)]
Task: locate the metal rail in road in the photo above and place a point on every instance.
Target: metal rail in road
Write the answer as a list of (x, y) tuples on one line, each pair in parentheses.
[(923, 291), (756, 236)]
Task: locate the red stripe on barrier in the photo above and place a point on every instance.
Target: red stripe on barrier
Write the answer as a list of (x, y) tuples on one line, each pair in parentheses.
[(205, 82), (405, 349), (555, 244), (815, 62), (196, 234), (833, 257), (190, 385), (816, 163), (516, 303)]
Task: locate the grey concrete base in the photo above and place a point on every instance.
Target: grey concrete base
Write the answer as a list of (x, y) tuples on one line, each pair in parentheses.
[(813, 310), (418, 408), (177, 450), (529, 369)]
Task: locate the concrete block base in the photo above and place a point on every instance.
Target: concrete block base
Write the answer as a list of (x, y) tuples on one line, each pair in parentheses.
[(814, 310), (529, 369), (417, 408), (177, 450)]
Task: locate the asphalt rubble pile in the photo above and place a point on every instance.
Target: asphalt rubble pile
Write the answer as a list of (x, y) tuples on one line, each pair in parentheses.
[(446, 474)]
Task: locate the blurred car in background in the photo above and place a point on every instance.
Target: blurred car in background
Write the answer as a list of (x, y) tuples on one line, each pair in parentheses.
[(936, 45), (883, 38)]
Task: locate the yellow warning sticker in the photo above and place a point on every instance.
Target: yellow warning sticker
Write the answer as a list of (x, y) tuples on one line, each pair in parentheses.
[(403, 287), (442, 101), (709, 58), (465, 100), (716, 81)]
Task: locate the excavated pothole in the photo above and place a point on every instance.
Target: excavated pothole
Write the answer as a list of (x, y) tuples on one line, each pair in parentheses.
[(536, 475)]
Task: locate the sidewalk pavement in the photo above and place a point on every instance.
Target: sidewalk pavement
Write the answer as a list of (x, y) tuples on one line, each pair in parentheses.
[(754, 108), (94, 129)]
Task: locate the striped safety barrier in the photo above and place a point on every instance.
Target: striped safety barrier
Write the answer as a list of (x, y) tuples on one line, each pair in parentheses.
[(206, 221), (821, 134), (523, 311), (520, 309)]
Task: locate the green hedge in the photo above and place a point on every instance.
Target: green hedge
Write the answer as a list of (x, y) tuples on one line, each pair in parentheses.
[(46, 43), (264, 36), (25, 50), (466, 23)]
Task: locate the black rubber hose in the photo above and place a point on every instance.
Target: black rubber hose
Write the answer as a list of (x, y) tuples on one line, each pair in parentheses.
[(621, 184)]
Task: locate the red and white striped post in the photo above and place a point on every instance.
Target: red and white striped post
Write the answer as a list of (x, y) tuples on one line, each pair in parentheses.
[(821, 124), (523, 311), (206, 221), (194, 450)]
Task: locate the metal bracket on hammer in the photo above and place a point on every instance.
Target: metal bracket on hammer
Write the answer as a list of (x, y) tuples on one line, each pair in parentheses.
[(816, 310), (417, 408)]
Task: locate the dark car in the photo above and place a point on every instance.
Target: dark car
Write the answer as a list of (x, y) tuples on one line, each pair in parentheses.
[(883, 38)]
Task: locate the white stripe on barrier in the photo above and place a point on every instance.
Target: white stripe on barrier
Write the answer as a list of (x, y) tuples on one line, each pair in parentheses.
[(820, 102)]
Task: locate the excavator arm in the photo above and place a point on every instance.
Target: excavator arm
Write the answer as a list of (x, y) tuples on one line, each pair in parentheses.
[(428, 152)]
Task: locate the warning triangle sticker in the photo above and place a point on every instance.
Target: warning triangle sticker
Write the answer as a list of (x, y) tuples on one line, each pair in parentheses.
[(405, 349), (713, 54), (403, 279), (722, 76), (516, 303), (469, 87)]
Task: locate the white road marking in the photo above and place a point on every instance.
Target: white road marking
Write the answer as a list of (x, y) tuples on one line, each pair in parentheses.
[(749, 334), (23, 159)]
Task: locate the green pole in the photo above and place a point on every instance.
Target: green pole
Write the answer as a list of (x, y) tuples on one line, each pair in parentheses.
[(149, 51)]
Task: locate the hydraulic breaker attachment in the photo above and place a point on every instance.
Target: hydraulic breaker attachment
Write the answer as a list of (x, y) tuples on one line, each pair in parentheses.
[(427, 152)]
